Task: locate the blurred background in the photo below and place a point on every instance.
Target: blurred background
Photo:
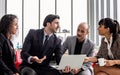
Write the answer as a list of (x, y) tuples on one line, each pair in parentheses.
[(31, 14)]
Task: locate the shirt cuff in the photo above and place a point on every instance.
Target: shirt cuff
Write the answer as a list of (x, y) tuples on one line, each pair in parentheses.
[(29, 60)]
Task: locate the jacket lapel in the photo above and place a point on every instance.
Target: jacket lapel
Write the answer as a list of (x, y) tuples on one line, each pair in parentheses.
[(84, 47), (49, 47), (40, 34), (10, 48), (73, 45)]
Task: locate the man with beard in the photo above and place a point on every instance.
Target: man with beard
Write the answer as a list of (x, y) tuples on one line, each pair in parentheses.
[(79, 45), (38, 48)]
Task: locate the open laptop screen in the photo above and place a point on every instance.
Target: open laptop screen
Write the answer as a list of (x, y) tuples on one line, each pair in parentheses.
[(74, 61)]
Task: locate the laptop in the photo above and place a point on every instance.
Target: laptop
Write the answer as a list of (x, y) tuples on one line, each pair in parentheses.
[(74, 61)]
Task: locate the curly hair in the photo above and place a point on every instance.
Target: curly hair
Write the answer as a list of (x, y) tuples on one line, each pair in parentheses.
[(5, 23)]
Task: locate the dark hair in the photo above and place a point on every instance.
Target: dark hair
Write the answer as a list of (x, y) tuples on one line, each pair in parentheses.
[(6, 22), (112, 24), (49, 19)]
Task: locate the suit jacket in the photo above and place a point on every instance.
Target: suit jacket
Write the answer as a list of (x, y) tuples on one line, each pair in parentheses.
[(87, 48), (6, 57), (115, 49), (33, 46)]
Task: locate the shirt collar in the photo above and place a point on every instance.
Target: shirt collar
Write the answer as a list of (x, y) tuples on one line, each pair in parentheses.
[(47, 34), (111, 39)]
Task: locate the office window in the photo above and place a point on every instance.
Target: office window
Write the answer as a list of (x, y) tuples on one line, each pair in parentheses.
[(31, 15), (111, 9), (79, 13), (65, 14), (15, 7), (2, 8), (46, 7), (64, 10), (118, 10)]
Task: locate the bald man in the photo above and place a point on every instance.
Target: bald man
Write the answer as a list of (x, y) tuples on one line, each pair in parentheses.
[(79, 44)]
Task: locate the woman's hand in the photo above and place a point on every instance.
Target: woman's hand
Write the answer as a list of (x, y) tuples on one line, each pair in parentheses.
[(110, 62), (90, 59)]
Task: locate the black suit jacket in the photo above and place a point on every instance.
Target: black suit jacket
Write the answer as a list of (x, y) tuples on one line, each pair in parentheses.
[(33, 46), (6, 57)]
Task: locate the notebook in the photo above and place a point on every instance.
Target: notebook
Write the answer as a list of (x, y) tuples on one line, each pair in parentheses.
[(74, 61)]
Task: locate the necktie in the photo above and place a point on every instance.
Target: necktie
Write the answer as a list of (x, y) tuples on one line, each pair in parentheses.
[(46, 40)]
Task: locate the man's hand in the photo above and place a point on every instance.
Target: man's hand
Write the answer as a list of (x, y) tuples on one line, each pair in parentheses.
[(66, 70), (42, 59), (87, 59), (36, 59), (76, 71), (16, 74)]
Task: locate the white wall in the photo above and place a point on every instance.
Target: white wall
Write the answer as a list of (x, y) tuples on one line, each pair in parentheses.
[(2, 8)]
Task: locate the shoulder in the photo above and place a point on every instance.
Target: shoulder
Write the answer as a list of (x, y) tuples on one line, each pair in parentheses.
[(31, 31), (71, 37), (118, 38), (88, 41), (2, 39), (35, 31), (57, 40)]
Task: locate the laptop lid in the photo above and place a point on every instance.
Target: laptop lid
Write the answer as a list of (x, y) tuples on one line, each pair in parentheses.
[(74, 61)]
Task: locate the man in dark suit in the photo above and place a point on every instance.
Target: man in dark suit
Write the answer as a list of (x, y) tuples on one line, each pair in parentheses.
[(79, 44), (38, 49)]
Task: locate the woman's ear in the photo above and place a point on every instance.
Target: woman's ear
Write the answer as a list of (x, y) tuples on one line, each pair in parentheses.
[(48, 24), (108, 29)]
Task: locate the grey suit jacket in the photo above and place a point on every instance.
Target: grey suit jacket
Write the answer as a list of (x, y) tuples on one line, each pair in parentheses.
[(87, 48)]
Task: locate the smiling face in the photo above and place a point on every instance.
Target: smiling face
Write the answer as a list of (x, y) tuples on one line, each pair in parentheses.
[(82, 31)]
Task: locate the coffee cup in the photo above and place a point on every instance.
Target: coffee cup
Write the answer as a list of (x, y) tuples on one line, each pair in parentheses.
[(101, 61)]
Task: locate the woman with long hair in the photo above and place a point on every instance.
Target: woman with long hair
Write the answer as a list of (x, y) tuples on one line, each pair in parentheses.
[(8, 27), (109, 49)]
